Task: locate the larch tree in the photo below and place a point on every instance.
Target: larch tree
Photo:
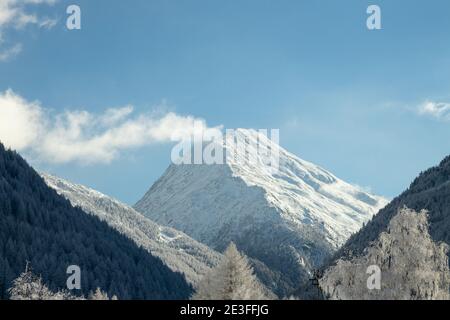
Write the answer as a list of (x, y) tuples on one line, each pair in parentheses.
[(232, 279)]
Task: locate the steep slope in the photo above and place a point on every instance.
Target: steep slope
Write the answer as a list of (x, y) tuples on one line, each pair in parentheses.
[(411, 265), (39, 226), (289, 221), (429, 191), (178, 251)]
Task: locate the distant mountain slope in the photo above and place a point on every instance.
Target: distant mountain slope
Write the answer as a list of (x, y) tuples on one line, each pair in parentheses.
[(178, 251), (288, 221), (42, 227), (429, 191), (411, 265)]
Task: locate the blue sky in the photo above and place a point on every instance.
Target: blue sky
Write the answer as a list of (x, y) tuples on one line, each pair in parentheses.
[(344, 97)]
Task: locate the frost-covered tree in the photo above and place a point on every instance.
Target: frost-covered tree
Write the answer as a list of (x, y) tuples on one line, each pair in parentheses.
[(29, 287), (430, 191), (65, 295), (232, 279), (412, 265), (99, 295)]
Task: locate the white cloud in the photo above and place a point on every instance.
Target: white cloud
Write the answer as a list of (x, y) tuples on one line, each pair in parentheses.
[(20, 121), (437, 110), (48, 23), (11, 52), (84, 137), (16, 14), (114, 115)]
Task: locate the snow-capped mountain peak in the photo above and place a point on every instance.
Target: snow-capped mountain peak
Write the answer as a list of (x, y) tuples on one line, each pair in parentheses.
[(288, 220), (302, 191)]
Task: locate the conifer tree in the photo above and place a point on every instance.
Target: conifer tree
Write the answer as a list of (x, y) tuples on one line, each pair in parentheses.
[(232, 279)]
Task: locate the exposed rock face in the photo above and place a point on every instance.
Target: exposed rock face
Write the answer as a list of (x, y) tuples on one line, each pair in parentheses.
[(412, 266)]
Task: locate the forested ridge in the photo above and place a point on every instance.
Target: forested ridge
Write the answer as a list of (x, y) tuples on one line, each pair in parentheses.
[(429, 191), (40, 227)]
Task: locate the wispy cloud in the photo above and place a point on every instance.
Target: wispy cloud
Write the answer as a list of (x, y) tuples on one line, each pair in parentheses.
[(83, 137), (437, 110), (18, 14), (10, 52)]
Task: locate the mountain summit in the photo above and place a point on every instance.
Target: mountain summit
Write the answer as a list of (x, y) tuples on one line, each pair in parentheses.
[(287, 220)]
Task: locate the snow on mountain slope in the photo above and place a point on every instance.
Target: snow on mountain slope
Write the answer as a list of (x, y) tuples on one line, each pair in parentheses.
[(290, 220), (304, 193), (177, 250)]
